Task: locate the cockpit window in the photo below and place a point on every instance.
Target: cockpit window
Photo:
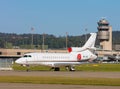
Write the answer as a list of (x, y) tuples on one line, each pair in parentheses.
[(27, 56)]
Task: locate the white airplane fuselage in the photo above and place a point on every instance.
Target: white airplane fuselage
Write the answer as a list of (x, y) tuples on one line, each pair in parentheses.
[(56, 59)]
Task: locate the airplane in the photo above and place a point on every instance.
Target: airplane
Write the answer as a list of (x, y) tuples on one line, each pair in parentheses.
[(75, 56), (111, 58)]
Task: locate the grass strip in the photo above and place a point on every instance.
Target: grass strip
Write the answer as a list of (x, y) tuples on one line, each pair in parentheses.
[(83, 67), (60, 80), (99, 67)]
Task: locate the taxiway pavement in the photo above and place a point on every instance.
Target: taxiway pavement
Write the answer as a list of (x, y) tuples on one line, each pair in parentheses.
[(75, 74)]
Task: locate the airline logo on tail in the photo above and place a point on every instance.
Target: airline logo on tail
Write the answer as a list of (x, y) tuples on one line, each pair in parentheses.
[(90, 44)]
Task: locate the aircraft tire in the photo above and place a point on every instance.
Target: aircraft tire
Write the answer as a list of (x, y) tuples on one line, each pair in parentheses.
[(71, 69), (56, 69)]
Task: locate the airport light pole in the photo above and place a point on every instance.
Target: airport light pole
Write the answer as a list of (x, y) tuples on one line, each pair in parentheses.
[(6, 42), (66, 39), (32, 30), (86, 34), (43, 41)]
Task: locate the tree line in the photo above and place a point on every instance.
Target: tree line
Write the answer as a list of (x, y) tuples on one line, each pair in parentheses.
[(12, 40)]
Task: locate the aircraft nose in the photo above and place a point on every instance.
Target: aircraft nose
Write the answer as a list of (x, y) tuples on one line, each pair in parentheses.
[(18, 61)]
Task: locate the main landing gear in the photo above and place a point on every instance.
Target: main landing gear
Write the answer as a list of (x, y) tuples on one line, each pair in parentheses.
[(55, 68), (70, 68)]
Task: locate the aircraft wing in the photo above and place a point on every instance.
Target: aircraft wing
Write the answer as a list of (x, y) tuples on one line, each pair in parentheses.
[(58, 64)]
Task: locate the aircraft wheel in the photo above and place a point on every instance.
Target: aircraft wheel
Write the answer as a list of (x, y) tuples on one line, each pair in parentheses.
[(57, 69), (71, 69)]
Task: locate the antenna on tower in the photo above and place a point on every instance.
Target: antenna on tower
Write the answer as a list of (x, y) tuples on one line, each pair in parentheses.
[(86, 34), (66, 39), (103, 17)]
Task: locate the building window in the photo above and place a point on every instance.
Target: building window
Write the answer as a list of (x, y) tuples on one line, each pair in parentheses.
[(18, 53), (0, 53)]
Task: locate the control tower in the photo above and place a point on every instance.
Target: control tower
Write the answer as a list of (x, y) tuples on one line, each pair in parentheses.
[(105, 34)]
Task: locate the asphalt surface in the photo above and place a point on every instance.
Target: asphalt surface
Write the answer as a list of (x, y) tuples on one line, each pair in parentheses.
[(57, 86), (62, 74), (50, 86)]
